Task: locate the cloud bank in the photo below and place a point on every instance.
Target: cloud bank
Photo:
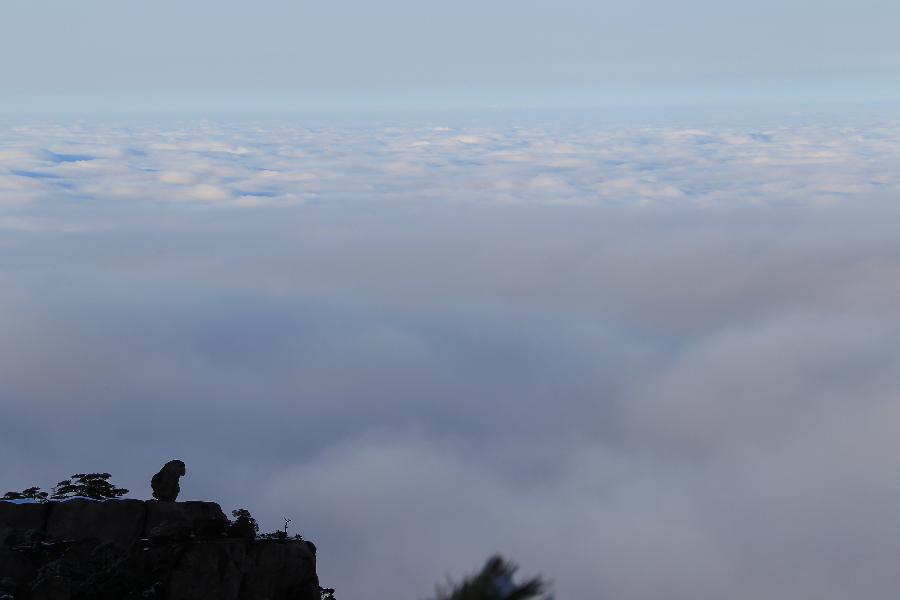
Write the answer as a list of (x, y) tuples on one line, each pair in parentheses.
[(650, 362), (539, 164)]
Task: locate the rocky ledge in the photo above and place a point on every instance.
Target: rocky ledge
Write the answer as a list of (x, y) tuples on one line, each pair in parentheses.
[(134, 549)]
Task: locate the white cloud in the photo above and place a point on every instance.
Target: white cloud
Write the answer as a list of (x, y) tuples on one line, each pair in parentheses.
[(812, 165), (178, 177), (205, 192)]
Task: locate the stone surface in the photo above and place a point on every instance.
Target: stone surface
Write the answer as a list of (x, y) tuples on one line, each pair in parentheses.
[(119, 522), (183, 519), (218, 567), (17, 520), (279, 572), (165, 483), (85, 550)]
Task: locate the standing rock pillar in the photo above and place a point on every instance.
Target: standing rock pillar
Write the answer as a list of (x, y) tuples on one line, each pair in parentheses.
[(165, 483)]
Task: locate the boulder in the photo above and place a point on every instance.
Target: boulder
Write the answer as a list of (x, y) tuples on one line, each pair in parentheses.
[(165, 483)]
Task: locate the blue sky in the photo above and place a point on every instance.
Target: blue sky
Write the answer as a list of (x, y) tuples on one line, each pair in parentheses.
[(353, 53)]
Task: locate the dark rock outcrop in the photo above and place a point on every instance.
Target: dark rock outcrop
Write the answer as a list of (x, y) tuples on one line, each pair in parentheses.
[(130, 549), (165, 483), (119, 522), (179, 520)]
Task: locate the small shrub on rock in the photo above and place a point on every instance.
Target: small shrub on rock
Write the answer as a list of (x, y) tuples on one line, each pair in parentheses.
[(244, 525)]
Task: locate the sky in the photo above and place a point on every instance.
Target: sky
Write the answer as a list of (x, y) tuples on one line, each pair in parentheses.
[(618, 299), (353, 53)]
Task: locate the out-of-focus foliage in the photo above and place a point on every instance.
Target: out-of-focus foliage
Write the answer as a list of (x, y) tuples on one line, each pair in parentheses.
[(494, 582)]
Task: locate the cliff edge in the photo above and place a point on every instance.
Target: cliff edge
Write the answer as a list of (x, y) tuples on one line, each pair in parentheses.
[(147, 550)]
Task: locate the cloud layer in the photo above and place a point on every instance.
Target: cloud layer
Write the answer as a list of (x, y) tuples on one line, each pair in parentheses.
[(539, 163), (650, 362)]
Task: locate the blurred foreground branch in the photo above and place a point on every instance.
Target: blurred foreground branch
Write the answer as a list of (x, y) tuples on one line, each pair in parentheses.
[(494, 582)]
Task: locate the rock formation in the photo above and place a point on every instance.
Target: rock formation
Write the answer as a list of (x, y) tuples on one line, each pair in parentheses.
[(165, 483), (137, 550)]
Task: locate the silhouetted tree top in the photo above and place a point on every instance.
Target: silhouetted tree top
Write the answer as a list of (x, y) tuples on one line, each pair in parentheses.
[(494, 582), (244, 525), (87, 485), (32, 493)]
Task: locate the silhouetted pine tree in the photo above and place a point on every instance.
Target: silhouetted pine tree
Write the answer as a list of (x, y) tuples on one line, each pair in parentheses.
[(494, 582), (88, 485), (32, 493), (243, 518)]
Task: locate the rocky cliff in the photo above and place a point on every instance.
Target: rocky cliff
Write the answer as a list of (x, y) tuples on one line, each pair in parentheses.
[(132, 549)]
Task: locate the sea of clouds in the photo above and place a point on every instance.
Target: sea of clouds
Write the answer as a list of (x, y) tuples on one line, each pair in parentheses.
[(535, 163), (647, 360)]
